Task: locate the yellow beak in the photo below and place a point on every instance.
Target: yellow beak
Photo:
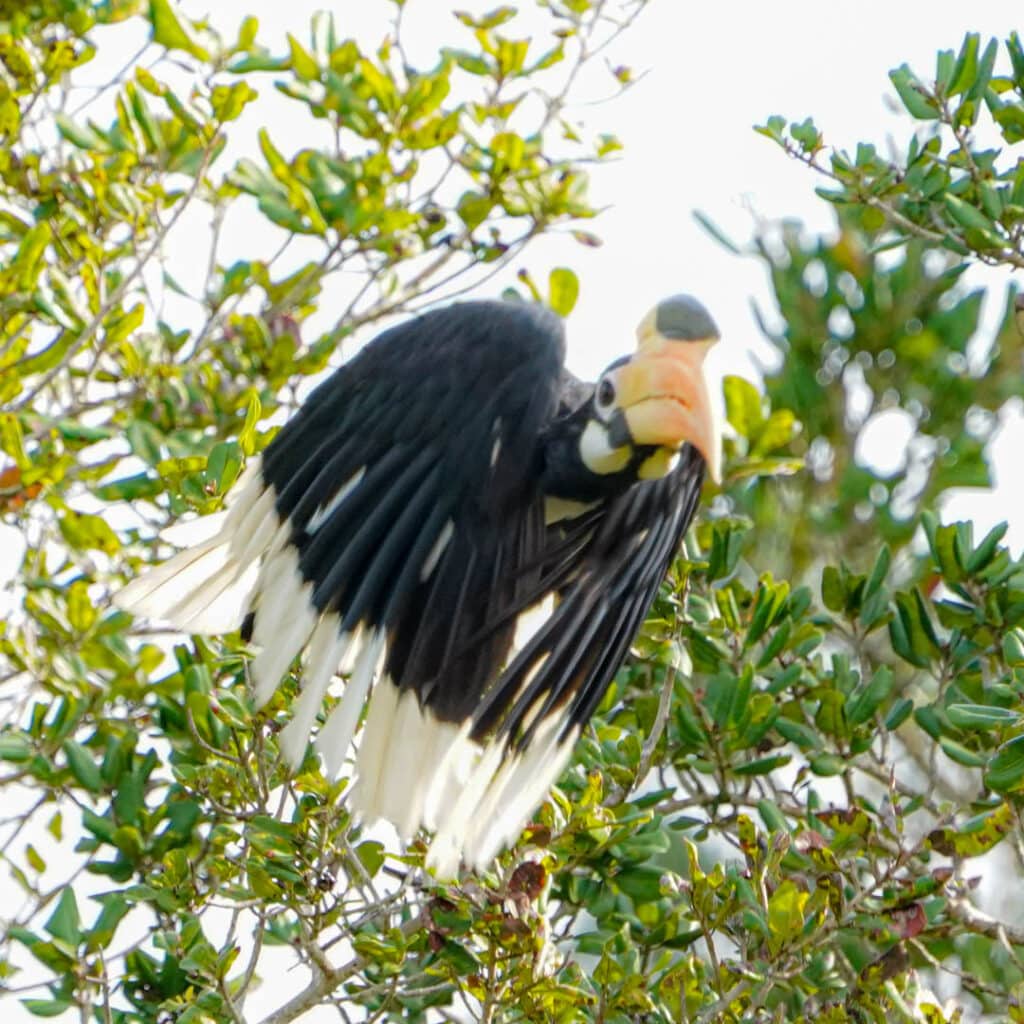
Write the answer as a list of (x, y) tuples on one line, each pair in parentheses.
[(664, 395)]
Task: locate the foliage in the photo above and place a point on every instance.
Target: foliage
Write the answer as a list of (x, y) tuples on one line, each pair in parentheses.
[(946, 188), (780, 809)]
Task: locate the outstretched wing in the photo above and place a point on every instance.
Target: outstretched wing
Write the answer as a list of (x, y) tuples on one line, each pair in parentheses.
[(387, 524), (396, 529), (605, 571), (408, 484)]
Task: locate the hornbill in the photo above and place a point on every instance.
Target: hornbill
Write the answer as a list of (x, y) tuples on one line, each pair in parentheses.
[(473, 536)]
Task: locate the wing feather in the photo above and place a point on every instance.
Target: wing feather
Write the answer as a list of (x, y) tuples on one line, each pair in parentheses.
[(398, 517)]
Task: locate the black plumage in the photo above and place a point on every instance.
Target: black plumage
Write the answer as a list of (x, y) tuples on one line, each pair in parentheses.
[(449, 480)]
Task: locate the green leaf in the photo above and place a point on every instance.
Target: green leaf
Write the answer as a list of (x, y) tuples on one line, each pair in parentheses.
[(786, 914), (64, 922), (879, 572), (986, 550), (173, 32), (772, 816), (898, 713), (563, 290), (827, 765), (83, 136), (1005, 772), (742, 406), (797, 732), (762, 765), (130, 488), (247, 435), (35, 861), (862, 704), (82, 613), (508, 150), (474, 208), (833, 593), (966, 68), (88, 533), (981, 716), (371, 855), (115, 908), (145, 440), (716, 232), (969, 216), (986, 65), (962, 755), (15, 747), (459, 958), (915, 96), (12, 440), (303, 62), (47, 1007), (976, 836), (82, 766), (223, 465), (776, 433)]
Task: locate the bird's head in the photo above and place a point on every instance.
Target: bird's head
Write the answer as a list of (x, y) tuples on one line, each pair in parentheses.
[(657, 398)]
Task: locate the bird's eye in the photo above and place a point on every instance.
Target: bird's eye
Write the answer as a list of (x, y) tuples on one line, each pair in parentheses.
[(605, 393)]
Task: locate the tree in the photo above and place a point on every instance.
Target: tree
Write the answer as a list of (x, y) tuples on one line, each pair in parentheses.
[(781, 807)]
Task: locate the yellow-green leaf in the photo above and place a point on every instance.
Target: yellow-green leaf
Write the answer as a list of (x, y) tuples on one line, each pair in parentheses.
[(12, 440), (87, 532), (743, 406), (172, 31), (303, 62), (81, 611), (247, 437), (786, 913), (563, 290)]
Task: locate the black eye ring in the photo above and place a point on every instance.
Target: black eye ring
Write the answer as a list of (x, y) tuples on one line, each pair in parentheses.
[(605, 393)]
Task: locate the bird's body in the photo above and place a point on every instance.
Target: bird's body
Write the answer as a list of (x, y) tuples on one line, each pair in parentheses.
[(473, 537)]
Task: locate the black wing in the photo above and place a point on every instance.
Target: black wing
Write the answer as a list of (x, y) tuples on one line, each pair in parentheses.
[(605, 570), (433, 428), (605, 589)]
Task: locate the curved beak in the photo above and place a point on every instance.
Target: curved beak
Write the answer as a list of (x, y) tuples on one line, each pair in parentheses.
[(664, 397)]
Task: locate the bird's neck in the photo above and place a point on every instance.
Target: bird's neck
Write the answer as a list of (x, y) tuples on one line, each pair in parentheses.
[(566, 475)]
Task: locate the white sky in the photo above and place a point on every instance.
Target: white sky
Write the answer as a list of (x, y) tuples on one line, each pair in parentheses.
[(713, 71)]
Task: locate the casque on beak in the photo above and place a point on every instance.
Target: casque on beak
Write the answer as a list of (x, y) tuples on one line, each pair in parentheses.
[(663, 390)]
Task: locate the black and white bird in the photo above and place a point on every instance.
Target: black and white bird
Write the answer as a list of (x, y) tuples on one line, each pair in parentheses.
[(472, 537)]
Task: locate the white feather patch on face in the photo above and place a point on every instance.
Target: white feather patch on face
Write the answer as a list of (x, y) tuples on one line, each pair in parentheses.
[(323, 513), (597, 453)]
